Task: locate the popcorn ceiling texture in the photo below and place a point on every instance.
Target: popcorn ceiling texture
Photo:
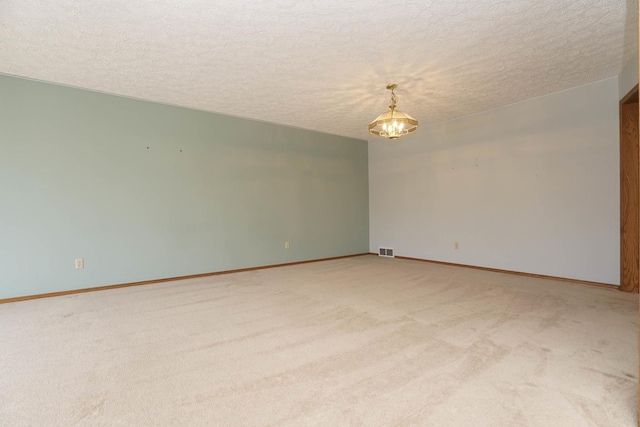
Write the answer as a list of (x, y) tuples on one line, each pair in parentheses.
[(320, 65)]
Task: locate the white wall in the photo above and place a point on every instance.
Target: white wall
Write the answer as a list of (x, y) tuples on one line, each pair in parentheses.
[(628, 77), (531, 187)]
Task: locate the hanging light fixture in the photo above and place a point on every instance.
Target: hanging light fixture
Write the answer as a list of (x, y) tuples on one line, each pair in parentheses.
[(394, 123)]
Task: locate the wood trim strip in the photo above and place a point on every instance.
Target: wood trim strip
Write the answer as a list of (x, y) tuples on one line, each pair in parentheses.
[(631, 96), (168, 279), (629, 197), (517, 273)]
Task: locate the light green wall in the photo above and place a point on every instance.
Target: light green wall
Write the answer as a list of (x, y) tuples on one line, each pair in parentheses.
[(144, 191)]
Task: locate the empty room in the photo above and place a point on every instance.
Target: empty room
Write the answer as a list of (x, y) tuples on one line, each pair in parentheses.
[(319, 213)]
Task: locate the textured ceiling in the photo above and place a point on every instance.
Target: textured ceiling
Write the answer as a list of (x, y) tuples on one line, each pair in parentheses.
[(320, 65)]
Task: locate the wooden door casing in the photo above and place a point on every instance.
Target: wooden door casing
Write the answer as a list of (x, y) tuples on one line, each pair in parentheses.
[(629, 198)]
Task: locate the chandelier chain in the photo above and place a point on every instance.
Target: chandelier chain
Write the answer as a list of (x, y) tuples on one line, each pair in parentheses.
[(394, 100)]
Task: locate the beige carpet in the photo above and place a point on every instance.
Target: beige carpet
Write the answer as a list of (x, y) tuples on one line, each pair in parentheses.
[(359, 341)]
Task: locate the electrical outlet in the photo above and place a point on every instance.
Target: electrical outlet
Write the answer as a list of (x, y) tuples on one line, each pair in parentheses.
[(79, 263), (286, 245), (456, 245)]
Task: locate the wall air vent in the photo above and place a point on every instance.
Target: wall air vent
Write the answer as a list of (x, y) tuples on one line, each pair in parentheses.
[(386, 252)]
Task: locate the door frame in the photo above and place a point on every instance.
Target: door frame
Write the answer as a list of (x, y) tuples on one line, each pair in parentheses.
[(629, 98)]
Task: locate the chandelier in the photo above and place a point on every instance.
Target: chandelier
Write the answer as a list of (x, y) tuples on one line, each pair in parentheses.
[(394, 123)]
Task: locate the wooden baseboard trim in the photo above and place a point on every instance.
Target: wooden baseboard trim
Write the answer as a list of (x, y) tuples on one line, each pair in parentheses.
[(517, 273), (169, 279)]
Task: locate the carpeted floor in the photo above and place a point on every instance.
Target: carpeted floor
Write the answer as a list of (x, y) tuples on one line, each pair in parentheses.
[(357, 341)]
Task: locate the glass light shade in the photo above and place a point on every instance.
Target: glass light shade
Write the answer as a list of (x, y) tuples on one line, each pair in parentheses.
[(393, 124)]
